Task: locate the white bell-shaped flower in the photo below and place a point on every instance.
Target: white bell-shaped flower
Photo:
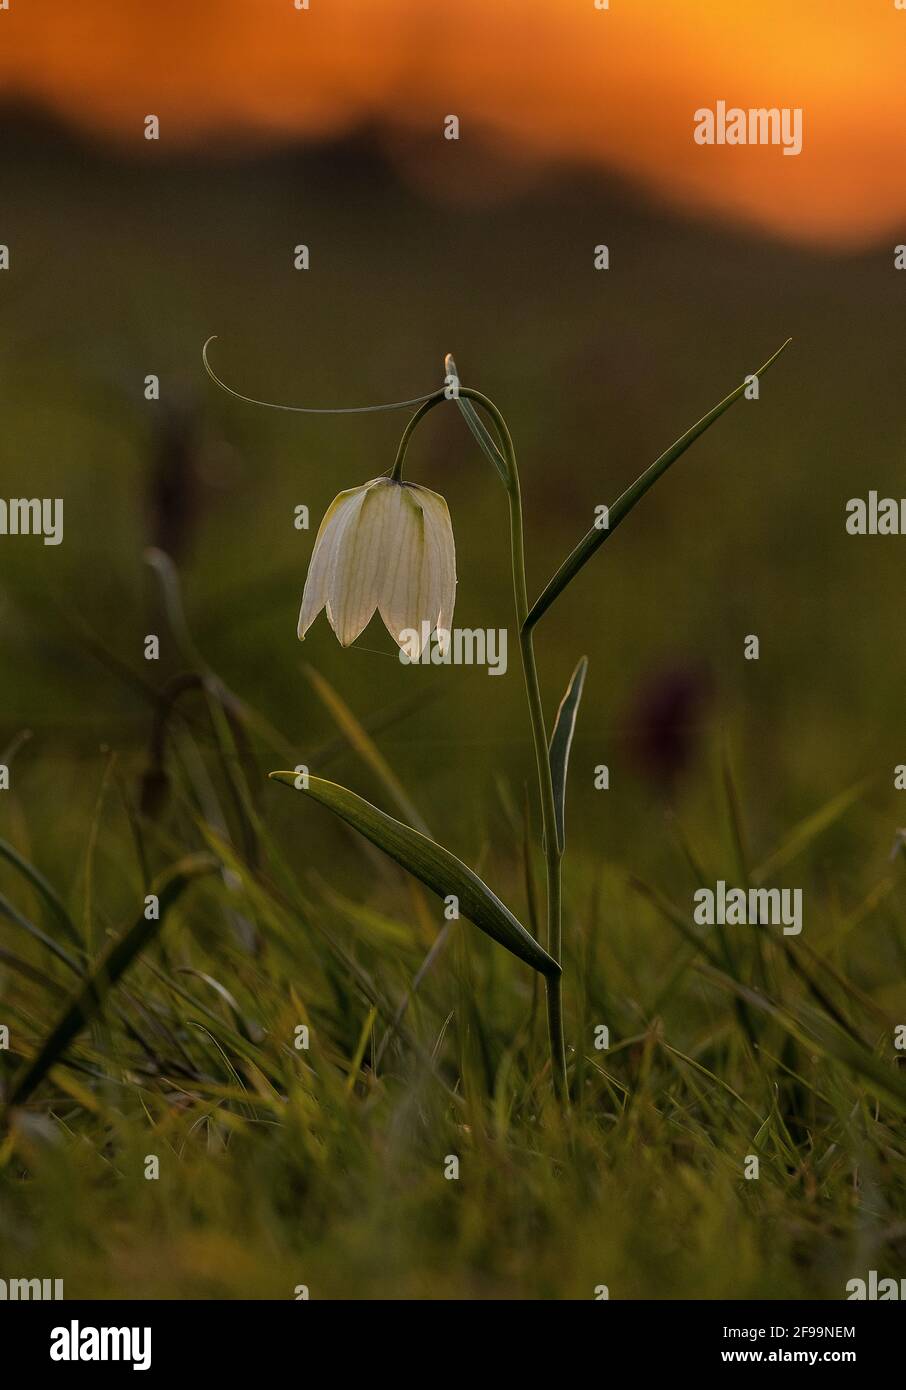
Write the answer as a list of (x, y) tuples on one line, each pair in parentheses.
[(386, 545)]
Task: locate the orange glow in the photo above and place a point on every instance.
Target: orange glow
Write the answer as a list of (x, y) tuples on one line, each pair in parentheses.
[(556, 79)]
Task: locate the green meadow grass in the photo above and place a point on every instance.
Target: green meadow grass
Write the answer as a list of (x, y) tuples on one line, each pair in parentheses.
[(325, 1167)]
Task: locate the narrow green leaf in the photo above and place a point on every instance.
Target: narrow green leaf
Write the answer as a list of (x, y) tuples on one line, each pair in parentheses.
[(112, 963), (624, 504), (479, 429), (561, 742), (43, 888), (8, 910), (356, 1062), (431, 864)]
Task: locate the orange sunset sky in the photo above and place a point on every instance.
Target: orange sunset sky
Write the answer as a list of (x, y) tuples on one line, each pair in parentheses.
[(554, 79)]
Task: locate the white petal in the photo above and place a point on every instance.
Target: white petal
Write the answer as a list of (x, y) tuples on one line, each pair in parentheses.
[(323, 556), (402, 601), (440, 558), (360, 557)]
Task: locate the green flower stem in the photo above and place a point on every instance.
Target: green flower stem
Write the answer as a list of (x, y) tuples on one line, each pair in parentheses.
[(539, 738), (536, 714), (397, 471)]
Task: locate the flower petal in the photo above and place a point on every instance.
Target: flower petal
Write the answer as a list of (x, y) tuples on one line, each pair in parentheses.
[(323, 556), (440, 558), (402, 603), (360, 557)]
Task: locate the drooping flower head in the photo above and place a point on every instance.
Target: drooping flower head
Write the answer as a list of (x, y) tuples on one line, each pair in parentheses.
[(386, 545)]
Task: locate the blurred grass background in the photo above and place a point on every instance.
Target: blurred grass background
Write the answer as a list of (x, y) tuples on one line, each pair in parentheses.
[(333, 1176)]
